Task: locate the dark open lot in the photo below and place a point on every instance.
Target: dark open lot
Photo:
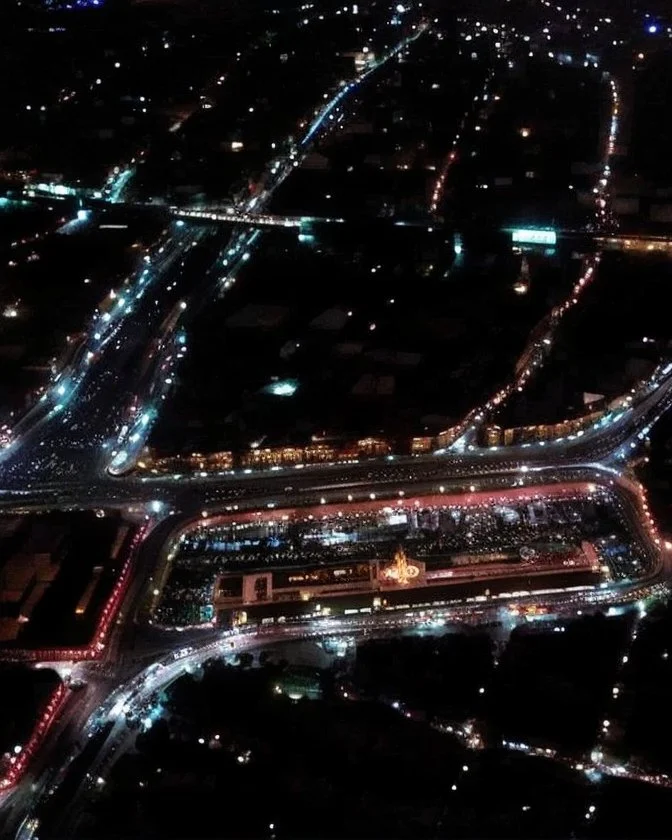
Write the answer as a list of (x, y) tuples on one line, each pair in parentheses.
[(628, 809), (54, 556), (26, 693), (530, 151), (605, 346), (647, 692), (648, 153), (367, 330), (258, 100), (526, 797), (298, 753), (657, 474), (384, 159), (225, 732), (551, 687), (97, 96), (643, 173), (439, 675)]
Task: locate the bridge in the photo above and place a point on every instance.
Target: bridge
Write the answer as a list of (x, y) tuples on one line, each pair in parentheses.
[(634, 242), (245, 213), (233, 214), (639, 242)]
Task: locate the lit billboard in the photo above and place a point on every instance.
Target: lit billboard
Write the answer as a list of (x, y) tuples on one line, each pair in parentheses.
[(534, 237)]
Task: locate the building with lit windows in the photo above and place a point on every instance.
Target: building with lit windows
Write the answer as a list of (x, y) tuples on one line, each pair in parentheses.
[(237, 595)]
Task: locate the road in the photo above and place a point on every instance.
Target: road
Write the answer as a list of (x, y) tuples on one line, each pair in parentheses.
[(126, 682), (134, 696), (90, 400), (75, 449)]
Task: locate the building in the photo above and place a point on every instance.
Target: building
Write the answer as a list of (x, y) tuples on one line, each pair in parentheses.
[(493, 435), (218, 461), (423, 444), (365, 587), (373, 447), (317, 582), (24, 580), (273, 456)]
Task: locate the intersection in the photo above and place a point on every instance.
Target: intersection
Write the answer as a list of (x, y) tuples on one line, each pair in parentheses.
[(77, 447)]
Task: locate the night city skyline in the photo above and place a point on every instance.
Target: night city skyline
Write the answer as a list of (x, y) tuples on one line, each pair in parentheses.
[(335, 442)]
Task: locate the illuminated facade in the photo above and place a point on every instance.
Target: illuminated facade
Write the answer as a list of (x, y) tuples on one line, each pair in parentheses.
[(448, 437), (365, 587), (422, 444), (402, 572), (315, 582), (213, 461), (317, 452), (496, 436), (370, 447), (273, 457)]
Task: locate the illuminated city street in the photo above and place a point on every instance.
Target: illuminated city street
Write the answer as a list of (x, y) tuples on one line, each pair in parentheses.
[(350, 373)]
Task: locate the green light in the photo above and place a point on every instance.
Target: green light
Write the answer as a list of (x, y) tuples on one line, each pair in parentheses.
[(283, 388)]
